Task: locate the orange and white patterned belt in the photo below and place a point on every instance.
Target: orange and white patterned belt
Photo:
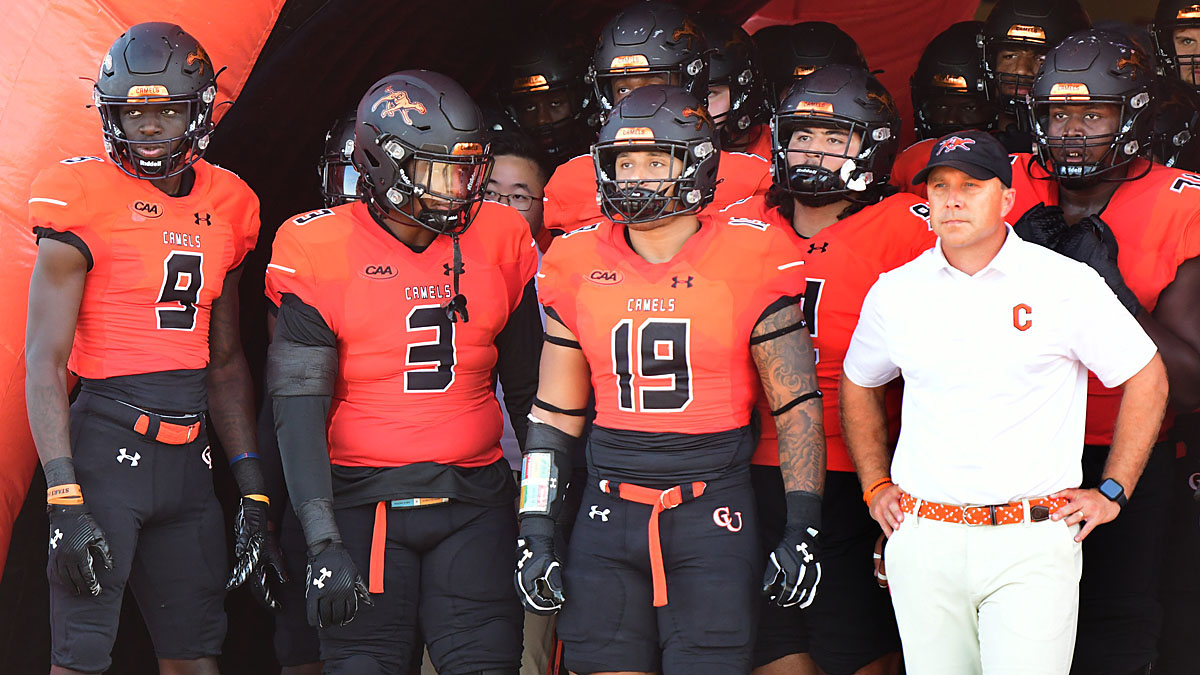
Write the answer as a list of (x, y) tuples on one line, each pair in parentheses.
[(1040, 509)]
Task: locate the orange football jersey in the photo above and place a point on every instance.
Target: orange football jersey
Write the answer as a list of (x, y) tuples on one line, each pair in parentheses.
[(668, 344), (760, 142), (412, 386), (841, 263), (1156, 221), (155, 262), (571, 193), (908, 164)]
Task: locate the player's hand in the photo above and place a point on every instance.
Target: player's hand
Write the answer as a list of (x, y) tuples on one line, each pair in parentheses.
[(257, 552), (1091, 241), (76, 540), (539, 571), (1088, 508), (794, 568), (885, 509), (1042, 225), (333, 587), (878, 562)]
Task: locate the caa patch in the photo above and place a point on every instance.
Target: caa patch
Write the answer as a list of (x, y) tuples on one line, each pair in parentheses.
[(378, 272), (606, 277), (146, 209)]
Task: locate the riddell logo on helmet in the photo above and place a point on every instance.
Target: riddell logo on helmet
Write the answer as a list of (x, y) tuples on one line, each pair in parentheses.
[(701, 115), (1021, 31), (605, 277), (146, 209), (398, 102)]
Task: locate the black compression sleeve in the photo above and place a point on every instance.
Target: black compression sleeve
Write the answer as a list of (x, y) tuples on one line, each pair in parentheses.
[(518, 351)]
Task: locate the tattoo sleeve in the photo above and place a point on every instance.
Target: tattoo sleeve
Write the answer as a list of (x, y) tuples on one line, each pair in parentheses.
[(787, 367)]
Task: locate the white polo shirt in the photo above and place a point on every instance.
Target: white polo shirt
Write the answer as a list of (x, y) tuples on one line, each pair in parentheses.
[(995, 369)]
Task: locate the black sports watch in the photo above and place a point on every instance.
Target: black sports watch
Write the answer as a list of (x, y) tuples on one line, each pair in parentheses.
[(1113, 491)]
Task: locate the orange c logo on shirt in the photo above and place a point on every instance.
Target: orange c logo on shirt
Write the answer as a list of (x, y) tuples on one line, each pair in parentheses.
[(1020, 322)]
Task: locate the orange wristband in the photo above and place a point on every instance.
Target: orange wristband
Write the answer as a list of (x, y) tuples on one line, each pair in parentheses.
[(258, 498), (67, 494), (876, 487)]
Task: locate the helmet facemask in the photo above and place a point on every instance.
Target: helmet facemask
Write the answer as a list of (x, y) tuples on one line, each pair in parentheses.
[(1100, 157), (183, 150), (643, 200), (803, 173)]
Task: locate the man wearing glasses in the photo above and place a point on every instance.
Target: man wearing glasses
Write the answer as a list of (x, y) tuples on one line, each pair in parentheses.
[(518, 179)]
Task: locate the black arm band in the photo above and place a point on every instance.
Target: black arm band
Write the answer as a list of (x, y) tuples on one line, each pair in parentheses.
[(797, 401), (317, 521), (803, 509), (759, 339), (549, 407), (545, 470), (248, 475), (561, 342)]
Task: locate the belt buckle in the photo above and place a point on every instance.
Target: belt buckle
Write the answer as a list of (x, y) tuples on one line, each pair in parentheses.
[(991, 515)]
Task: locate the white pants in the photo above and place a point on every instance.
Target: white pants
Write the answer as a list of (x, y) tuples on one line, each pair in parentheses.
[(988, 600)]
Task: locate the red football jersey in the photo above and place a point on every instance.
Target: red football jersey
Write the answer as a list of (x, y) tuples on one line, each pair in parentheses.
[(571, 193), (760, 142), (156, 262), (841, 264), (668, 344), (1156, 220), (908, 164), (412, 386)]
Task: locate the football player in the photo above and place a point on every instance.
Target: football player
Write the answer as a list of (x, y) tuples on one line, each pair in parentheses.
[(948, 96), (135, 290), (1015, 38), (1176, 34), (394, 312), (802, 48), (1100, 200), (544, 93), (834, 138), (339, 178), (1177, 125), (656, 309), (648, 43), (736, 91)]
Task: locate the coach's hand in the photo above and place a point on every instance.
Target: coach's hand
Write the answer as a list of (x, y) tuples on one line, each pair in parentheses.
[(539, 571), (1042, 225), (333, 587), (885, 509), (76, 540), (259, 560), (1091, 241), (794, 568), (1088, 508)]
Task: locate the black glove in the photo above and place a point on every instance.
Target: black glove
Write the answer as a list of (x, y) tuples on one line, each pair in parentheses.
[(257, 552), (794, 568), (1042, 225), (75, 541), (539, 571), (1090, 241), (332, 587)]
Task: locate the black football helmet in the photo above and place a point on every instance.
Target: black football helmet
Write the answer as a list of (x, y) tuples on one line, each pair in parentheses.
[(733, 62), (339, 178), (806, 47), (151, 64), (1177, 125), (1094, 66), (1039, 24), (543, 91), (650, 38), (1170, 16), (948, 85), (846, 97), (662, 119)]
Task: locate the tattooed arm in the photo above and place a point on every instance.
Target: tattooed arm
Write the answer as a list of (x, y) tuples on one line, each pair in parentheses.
[(787, 367)]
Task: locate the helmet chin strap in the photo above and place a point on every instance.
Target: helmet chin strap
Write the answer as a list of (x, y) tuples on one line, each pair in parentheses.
[(458, 304)]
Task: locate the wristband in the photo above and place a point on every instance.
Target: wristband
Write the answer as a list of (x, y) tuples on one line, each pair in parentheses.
[(67, 494), (244, 455), (258, 498), (876, 487)]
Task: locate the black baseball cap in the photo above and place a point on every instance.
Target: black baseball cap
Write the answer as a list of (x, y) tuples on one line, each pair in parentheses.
[(976, 153)]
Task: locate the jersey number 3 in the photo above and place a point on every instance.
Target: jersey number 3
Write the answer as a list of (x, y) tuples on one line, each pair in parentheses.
[(654, 372), (430, 365), (182, 281)]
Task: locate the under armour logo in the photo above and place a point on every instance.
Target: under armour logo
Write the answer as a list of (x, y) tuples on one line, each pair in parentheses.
[(525, 555), (206, 218), (675, 281), (597, 512), (812, 248), (58, 535), (207, 456), (447, 269), (122, 456), (319, 582), (723, 518), (802, 549)]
